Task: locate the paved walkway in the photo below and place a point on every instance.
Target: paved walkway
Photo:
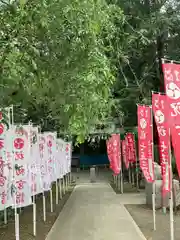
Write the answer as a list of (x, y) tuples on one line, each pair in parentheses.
[(94, 212)]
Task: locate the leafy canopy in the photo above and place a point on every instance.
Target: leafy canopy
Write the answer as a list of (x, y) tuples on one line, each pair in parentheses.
[(54, 65)]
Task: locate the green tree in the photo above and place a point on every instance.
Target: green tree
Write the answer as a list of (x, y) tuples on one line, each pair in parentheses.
[(54, 63), (151, 28)]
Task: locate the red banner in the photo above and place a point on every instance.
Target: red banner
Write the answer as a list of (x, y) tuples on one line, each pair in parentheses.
[(172, 85), (114, 153), (131, 152), (145, 141), (160, 115), (124, 154)]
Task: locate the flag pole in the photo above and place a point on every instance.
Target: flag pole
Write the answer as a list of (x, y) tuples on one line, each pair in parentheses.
[(66, 178), (5, 216), (137, 180), (118, 181), (121, 176), (129, 172), (154, 182), (129, 168), (44, 198), (34, 215), (51, 199), (171, 188), (70, 166), (33, 197), (64, 190), (44, 207), (57, 192), (14, 190), (132, 174), (9, 117), (60, 189), (154, 202), (171, 195)]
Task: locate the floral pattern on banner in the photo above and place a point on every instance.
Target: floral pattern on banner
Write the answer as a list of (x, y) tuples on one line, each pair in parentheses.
[(172, 85), (68, 157), (51, 149), (35, 169), (21, 162), (46, 183), (5, 161), (59, 154), (145, 141), (63, 158)]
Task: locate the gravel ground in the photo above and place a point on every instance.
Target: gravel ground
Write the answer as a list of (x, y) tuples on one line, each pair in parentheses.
[(26, 216), (144, 219)]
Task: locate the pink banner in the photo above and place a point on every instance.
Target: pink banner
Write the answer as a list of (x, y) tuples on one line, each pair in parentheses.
[(131, 147), (124, 154), (172, 85), (145, 141), (113, 150), (160, 114)]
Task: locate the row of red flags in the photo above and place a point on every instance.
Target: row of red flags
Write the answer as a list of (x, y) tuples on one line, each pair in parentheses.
[(166, 111), (114, 147)]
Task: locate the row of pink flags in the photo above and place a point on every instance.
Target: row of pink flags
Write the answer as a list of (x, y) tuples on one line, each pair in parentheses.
[(114, 148), (165, 109)]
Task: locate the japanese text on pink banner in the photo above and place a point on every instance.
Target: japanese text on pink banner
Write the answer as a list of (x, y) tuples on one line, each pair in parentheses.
[(145, 141)]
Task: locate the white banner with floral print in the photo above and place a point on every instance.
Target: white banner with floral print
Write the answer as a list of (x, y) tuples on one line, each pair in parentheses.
[(35, 167), (46, 183), (63, 160), (21, 162), (58, 158), (68, 157), (51, 149), (5, 160)]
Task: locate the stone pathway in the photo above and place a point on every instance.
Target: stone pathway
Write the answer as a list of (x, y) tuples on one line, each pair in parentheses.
[(95, 212)]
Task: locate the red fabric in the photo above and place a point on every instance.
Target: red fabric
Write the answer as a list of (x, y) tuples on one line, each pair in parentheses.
[(160, 114), (172, 86), (124, 153), (131, 152), (114, 153), (145, 141)]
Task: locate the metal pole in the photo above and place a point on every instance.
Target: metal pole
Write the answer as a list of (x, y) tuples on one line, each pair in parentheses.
[(132, 175), (171, 196), (154, 183), (129, 172), (60, 189), (64, 190), (137, 178), (154, 204), (121, 176), (119, 181)]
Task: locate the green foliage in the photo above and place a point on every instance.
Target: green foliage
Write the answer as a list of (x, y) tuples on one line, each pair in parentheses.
[(54, 63), (151, 29), (72, 65)]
